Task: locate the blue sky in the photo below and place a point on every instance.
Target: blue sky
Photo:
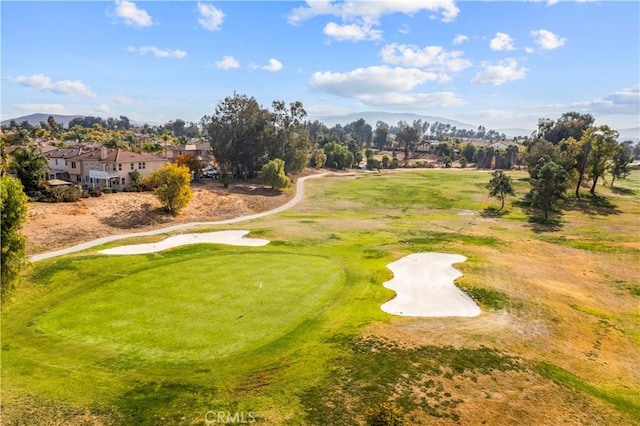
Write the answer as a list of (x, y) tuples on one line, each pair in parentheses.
[(497, 64)]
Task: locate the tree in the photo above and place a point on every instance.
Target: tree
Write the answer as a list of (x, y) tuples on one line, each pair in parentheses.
[(289, 139), (468, 152), (171, 183), (238, 133), (380, 134), (622, 159), (31, 167), (13, 211), (549, 181), (500, 186), (408, 137), (273, 174), (190, 161), (603, 145), (338, 155)]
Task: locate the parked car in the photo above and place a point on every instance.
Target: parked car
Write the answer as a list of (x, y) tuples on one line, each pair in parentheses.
[(211, 172)]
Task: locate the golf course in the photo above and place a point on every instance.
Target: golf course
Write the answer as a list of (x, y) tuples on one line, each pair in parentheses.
[(292, 332)]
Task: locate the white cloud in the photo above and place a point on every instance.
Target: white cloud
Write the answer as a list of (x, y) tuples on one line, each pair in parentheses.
[(43, 108), (460, 38), (133, 16), (404, 29), (501, 41), (626, 101), (62, 87), (433, 57), (414, 100), (102, 108), (373, 80), (157, 52), (274, 65), (124, 100), (547, 40), (210, 17), (227, 62), (371, 11), (503, 72), (353, 32), (529, 49)]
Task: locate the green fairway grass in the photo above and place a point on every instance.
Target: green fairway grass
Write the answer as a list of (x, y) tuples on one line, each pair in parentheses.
[(165, 338), (199, 308)]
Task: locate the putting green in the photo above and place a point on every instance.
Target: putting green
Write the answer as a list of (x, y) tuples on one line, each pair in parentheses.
[(198, 309)]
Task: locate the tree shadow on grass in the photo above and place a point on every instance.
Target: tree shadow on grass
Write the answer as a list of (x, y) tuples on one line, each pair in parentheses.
[(493, 212), (537, 222), (592, 205), (622, 191)]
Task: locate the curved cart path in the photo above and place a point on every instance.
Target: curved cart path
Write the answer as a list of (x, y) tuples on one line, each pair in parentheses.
[(182, 226)]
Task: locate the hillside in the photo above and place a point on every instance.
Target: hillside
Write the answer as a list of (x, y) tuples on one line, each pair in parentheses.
[(391, 118), (34, 119)]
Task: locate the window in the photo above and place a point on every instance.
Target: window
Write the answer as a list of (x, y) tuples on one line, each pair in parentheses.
[(132, 166), (114, 167), (56, 161), (79, 179), (123, 181), (73, 164), (119, 167), (141, 165)]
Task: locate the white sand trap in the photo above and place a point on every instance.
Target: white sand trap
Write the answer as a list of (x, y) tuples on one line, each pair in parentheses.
[(234, 238), (424, 286)]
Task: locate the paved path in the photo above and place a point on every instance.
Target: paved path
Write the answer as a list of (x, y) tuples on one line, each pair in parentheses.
[(99, 241)]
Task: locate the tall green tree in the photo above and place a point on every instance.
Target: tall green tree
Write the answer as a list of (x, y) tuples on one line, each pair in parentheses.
[(380, 135), (603, 141), (622, 159), (31, 167), (408, 137), (290, 140), (238, 132), (273, 174), (13, 212), (549, 181), (171, 186), (500, 186)]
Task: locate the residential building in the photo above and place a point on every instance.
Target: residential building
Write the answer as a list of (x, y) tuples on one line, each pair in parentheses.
[(111, 168)]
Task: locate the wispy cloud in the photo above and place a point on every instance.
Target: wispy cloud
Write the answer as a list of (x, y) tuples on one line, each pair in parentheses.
[(547, 40), (63, 87), (501, 41), (157, 52), (460, 38), (132, 15), (504, 71), (124, 100), (210, 17), (226, 63), (432, 57), (353, 32), (44, 108), (274, 65)]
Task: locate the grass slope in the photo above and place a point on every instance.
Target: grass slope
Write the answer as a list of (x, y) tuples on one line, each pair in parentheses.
[(164, 338)]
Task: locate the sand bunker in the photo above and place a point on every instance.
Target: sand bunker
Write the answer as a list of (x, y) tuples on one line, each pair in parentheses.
[(234, 238), (424, 286)]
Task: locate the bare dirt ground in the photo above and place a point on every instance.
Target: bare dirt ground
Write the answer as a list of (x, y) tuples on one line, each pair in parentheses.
[(52, 226)]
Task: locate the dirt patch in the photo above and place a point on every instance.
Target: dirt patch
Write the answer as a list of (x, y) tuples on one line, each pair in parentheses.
[(52, 226)]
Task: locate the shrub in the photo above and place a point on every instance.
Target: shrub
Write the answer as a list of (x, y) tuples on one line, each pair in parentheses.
[(59, 194)]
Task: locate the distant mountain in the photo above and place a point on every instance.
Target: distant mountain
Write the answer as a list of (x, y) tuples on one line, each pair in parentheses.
[(34, 119), (391, 118)]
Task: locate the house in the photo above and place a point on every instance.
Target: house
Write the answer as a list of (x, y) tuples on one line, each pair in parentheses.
[(111, 168), (58, 167), (201, 151)]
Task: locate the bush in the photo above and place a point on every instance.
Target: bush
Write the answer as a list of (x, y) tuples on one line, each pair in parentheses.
[(97, 192), (385, 161), (60, 194)]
